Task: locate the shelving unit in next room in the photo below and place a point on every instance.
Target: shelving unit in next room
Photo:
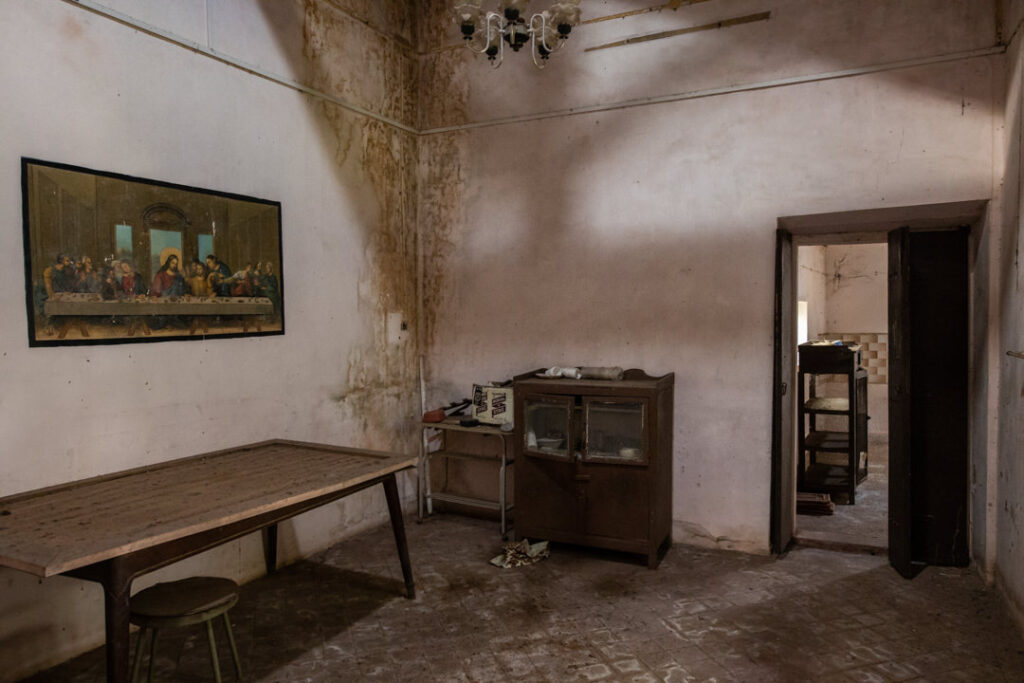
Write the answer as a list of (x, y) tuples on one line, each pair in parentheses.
[(817, 360)]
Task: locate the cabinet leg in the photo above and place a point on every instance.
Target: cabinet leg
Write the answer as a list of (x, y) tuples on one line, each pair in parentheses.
[(501, 492), (853, 480), (656, 554)]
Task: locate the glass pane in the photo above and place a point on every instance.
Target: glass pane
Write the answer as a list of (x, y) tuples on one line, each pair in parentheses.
[(547, 426), (615, 431)]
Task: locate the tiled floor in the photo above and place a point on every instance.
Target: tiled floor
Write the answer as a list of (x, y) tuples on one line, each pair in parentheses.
[(865, 524), (582, 615)]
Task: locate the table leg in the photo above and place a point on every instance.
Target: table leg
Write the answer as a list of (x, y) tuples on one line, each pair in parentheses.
[(117, 586), (270, 547), (398, 526), (501, 489)]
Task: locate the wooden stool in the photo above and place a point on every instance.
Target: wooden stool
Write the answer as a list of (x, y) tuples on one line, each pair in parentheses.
[(183, 603)]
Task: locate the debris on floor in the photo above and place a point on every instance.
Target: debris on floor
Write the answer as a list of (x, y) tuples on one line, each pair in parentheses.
[(520, 554), (814, 504)]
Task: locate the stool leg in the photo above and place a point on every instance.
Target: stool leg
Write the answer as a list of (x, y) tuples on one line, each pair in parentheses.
[(234, 650), (138, 654), (152, 655), (213, 651)]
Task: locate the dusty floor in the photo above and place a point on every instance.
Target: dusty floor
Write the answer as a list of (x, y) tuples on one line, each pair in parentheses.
[(585, 615), (865, 524)]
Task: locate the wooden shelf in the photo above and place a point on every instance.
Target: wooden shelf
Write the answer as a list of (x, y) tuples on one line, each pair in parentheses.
[(838, 442), (468, 456), (466, 500), (827, 406), (825, 478), (452, 424)]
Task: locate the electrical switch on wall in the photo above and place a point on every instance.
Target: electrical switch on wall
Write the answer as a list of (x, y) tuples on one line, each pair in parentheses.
[(397, 329)]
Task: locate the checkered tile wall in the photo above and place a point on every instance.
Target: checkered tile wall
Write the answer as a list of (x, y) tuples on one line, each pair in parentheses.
[(874, 348)]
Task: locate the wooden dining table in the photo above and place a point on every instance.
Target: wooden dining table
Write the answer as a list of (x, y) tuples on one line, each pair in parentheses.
[(114, 528)]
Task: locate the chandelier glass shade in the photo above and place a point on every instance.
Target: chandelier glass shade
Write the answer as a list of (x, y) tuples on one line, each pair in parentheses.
[(488, 32)]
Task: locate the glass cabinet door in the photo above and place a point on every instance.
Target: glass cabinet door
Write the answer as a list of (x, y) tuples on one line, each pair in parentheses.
[(546, 426), (615, 430)]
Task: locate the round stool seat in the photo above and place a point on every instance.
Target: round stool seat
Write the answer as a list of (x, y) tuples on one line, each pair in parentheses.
[(183, 603), (184, 598)]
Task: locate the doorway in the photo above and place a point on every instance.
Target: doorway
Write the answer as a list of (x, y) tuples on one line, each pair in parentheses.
[(842, 294), (912, 501)]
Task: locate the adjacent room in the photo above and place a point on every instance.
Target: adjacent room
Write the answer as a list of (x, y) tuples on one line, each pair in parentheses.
[(484, 340), (842, 297)]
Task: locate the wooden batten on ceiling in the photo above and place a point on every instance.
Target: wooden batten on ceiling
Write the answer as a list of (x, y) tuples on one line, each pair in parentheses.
[(673, 5), (735, 21)]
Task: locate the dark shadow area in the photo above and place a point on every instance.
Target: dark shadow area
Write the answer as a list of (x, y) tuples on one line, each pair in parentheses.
[(862, 527), (280, 621), (581, 615)]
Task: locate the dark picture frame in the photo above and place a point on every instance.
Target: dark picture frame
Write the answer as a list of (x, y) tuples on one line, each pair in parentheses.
[(111, 258)]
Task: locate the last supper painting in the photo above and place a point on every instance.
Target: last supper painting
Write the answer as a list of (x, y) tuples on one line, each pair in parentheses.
[(111, 258)]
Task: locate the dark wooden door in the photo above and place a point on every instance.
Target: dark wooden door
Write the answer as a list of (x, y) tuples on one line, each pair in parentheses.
[(783, 493), (900, 432), (928, 411)]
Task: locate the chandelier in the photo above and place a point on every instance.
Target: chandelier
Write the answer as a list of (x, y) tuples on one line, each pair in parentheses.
[(488, 32)]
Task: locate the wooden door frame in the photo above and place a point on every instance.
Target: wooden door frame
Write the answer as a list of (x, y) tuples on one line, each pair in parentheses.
[(899, 513), (869, 226), (783, 486)]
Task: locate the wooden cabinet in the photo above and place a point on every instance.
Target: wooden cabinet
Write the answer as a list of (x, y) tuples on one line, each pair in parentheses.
[(851, 439), (594, 462)]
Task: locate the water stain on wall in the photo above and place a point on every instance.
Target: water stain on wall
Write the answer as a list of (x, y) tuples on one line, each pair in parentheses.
[(443, 97), (349, 57), (440, 218)]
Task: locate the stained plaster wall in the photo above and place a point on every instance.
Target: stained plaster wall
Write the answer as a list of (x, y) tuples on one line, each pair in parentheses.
[(82, 89), (643, 236), (810, 287), (1003, 480), (857, 288)]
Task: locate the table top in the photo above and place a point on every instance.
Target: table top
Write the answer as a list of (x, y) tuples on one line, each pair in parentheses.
[(54, 530), (77, 303)]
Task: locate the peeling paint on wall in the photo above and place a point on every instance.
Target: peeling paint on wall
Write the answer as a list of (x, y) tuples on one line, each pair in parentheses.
[(377, 166), (441, 217)]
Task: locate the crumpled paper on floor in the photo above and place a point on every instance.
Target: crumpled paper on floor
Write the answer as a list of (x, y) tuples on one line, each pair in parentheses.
[(520, 554)]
